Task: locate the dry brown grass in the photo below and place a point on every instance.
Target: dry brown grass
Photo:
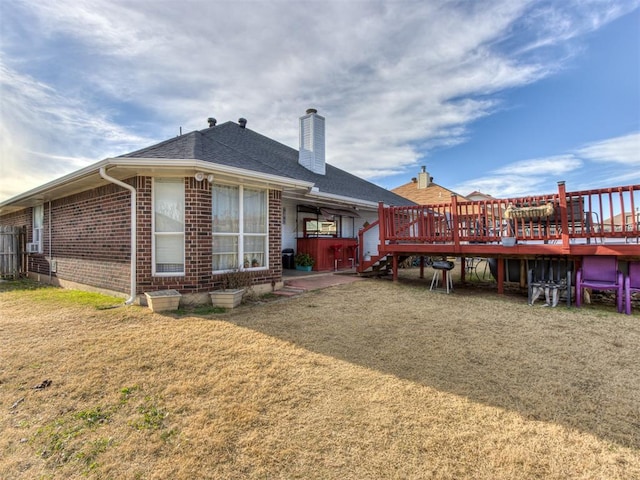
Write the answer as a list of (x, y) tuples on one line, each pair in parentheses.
[(367, 380)]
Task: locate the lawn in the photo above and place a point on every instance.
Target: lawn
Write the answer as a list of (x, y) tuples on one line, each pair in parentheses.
[(369, 380)]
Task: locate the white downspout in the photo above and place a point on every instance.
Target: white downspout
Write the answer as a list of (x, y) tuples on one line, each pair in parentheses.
[(104, 175), (50, 243)]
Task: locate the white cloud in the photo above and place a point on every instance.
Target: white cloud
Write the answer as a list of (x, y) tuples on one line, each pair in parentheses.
[(394, 79), (522, 178), (624, 150), (48, 135), (555, 165), (588, 167)]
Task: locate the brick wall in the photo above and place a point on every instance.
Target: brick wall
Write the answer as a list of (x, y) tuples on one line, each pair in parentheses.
[(90, 236), (198, 241), (87, 235)]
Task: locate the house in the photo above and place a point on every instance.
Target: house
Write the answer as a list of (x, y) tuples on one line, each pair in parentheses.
[(423, 191), (478, 196), (181, 213)]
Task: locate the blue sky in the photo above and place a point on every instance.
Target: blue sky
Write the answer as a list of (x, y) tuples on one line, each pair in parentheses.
[(502, 96)]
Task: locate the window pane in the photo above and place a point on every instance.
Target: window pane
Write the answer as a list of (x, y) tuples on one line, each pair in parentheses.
[(225, 252), (226, 209), (38, 216), (169, 205), (255, 211), (169, 253), (168, 202), (254, 254)]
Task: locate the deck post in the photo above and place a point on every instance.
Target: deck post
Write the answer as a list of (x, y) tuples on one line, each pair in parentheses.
[(454, 220), (500, 275), (360, 250), (382, 227), (564, 221), (394, 266), (463, 264), (421, 266)]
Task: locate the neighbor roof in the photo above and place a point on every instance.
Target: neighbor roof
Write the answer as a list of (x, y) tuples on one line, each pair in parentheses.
[(231, 145), (432, 194)]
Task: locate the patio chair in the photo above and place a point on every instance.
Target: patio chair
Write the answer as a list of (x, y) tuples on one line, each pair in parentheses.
[(631, 284), (472, 267), (550, 276), (600, 272)]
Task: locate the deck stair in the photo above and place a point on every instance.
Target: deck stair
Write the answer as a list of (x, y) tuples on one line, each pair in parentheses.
[(381, 267)]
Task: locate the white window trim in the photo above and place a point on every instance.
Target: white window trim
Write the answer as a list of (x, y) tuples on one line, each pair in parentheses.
[(37, 232), (154, 234), (240, 235)]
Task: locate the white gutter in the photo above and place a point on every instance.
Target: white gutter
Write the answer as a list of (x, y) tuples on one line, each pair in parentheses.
[(215, 168), (50, 243), (167, 164), (103, 174)]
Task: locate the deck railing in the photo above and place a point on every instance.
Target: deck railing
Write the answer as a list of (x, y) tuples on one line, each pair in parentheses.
[(600, 215)]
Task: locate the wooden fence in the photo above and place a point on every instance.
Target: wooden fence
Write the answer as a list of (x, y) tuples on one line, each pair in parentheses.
[(10, 249)]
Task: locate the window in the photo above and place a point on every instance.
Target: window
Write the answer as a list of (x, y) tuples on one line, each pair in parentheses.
[(317, 228), (168, 226), (38, 223), (239, 226)]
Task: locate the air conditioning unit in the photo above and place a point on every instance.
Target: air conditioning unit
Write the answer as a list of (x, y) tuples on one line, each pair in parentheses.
[(33, 247)]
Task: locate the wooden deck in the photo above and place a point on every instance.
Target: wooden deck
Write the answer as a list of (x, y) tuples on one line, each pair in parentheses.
[(563, 224)]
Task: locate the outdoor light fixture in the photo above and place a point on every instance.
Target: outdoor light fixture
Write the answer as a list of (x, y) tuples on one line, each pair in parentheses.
[(199, 176), (210, 178)]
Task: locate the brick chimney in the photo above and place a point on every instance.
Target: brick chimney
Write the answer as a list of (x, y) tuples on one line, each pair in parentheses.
[(311, 154), (424, 180)]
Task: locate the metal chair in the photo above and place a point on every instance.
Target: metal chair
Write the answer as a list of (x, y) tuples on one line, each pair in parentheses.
[(550, 276), (631, 284), (472, 266), (601, 273)]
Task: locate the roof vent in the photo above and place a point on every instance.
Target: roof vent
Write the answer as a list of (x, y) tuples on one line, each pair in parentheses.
[(212, 122), (242, 122)]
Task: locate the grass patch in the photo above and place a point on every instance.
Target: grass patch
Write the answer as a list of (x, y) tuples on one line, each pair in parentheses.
[(78, 437), (29, 290), (127, 392), (200, 310), (374, 379), (94, 416), (22, 284), (152, 416)]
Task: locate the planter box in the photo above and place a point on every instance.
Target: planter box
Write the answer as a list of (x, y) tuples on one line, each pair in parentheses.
[(163, 300), (226, 298), (508, 241), (305, 268)]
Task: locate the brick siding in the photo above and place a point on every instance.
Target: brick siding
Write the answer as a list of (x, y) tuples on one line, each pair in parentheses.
[(90, 236)]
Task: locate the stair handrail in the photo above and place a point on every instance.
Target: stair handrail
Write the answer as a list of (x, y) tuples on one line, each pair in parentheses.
[(364, 264)]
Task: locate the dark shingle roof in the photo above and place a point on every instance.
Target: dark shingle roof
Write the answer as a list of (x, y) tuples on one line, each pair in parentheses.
[(229, 144)]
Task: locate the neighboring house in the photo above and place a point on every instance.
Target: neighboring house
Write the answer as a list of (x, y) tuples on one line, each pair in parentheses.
[(181, 213), (478, 196), (620, 222), (423, 191)]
